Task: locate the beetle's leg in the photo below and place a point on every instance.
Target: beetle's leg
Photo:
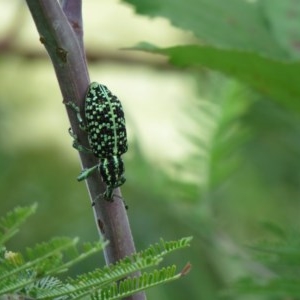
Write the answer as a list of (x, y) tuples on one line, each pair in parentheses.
[(76, 143), (85, 173), (77, 111), (107, 195)]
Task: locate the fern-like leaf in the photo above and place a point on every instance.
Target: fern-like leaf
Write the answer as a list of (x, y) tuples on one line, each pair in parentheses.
[(99, 280), (279, 258), (84, 284), (9, 224), (33, 275), (163, 248), (134, 285), (43, 260)]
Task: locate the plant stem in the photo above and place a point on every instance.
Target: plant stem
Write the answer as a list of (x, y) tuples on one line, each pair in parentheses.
[(61, 31)]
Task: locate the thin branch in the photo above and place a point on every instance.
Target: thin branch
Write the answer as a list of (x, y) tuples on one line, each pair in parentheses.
[(65, 48), (72, 10)]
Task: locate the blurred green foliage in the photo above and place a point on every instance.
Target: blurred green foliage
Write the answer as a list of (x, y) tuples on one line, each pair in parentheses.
[(250, 159), (35, 273), (244, 167)]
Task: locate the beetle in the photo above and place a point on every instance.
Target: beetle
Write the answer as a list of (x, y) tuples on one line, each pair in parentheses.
[(104, 122)]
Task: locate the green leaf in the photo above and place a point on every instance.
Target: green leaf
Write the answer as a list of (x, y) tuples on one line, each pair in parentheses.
[(274, 78), (34, 274), (284, 19), (280, 287), (279, 260), (102, 282), (43, 260), (134, 285), (9, 225), (227, 24)]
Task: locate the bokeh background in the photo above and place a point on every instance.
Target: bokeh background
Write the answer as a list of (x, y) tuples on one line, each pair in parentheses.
[(209, 156)]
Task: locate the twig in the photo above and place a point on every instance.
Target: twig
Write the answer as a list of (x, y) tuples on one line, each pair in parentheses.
[(61, 33)]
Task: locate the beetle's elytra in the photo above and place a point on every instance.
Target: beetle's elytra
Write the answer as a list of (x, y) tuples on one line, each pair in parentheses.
[(105, 122)]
